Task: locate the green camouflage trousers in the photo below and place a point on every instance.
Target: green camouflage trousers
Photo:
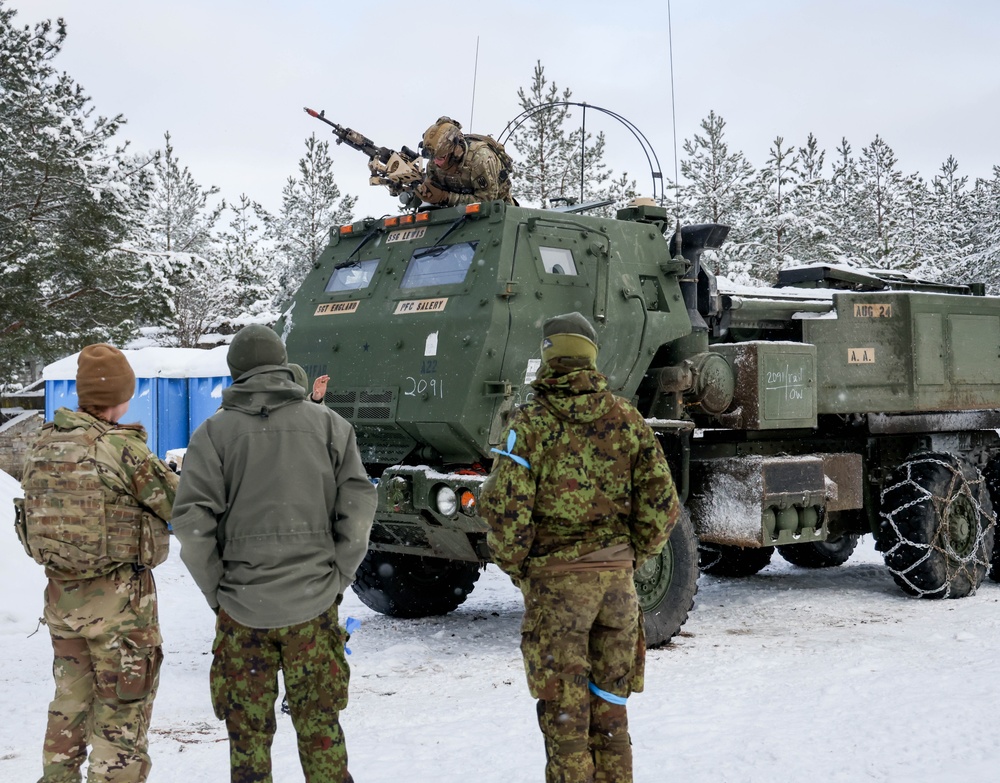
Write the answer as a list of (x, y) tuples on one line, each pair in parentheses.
[(244, 682), (107, 647), (582, 627)]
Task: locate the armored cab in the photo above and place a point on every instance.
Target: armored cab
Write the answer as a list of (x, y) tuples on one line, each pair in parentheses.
[(799, 417)]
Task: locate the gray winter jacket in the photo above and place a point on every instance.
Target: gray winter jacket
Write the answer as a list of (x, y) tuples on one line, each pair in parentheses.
[(274, 505)]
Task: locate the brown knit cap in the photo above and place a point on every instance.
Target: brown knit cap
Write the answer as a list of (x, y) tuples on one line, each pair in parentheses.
[(104, 377)]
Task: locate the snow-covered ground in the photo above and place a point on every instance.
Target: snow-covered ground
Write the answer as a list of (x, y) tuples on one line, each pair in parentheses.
[(792, 675)]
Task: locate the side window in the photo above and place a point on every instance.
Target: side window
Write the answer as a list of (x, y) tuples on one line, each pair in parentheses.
[(437, 266), (558, 260), (352, 277)]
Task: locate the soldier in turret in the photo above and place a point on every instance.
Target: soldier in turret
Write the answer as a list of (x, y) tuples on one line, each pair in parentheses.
[(579, 498), (96, 503), (463, 168)]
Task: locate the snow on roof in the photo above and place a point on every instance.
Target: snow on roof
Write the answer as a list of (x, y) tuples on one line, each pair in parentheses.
[(156, 362)]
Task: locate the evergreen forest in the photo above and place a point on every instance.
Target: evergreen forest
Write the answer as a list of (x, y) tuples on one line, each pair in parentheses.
[(103, 242)]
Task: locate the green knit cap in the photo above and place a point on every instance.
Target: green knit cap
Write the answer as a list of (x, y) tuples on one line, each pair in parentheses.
[(569, 336), (253, 346)]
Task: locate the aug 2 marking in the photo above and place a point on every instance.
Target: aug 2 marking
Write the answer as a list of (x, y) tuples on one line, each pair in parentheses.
[(337, 308), (873, 310)]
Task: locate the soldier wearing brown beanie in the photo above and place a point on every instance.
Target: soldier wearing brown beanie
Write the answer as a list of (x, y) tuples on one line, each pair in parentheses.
[(98, 544), (104, 380)]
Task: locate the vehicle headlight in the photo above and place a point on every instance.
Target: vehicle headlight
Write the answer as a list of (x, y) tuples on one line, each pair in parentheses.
[(446, 501)]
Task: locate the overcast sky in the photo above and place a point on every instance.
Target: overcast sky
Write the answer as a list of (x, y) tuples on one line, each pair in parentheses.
[(229, 78)]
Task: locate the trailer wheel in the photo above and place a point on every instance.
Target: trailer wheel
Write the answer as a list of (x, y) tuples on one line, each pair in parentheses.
[(726, 560), (401, 585), (937, 527), (666, 584), (991, 475), (820, 554)]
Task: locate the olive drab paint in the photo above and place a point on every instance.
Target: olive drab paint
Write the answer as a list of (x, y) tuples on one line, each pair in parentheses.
[(782, 411)]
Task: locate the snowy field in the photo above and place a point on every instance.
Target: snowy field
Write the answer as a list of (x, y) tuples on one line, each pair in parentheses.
[(791, 675)]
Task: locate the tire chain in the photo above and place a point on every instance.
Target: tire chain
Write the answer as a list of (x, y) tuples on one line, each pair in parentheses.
[(965, 563)]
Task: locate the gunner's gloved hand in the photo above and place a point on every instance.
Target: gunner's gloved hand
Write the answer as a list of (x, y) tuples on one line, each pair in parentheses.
[(431, 193)]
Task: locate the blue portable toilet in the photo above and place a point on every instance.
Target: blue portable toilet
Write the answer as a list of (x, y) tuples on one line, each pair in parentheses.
[(176, 389)]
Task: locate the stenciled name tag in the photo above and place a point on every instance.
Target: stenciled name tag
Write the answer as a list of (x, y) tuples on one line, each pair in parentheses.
[(336, 308), (420, 306), (404, 234)]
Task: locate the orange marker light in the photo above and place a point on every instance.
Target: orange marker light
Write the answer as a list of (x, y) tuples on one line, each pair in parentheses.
[(393, 221), (423, 217), (468, 502), (346, 230), (406, 219), (472, 209)]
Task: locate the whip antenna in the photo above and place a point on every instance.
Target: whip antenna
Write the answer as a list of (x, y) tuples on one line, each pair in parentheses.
[(673, 109), (475, 74)]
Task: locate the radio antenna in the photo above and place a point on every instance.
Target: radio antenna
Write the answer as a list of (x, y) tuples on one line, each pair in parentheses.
[(673, 111), (475, 74)]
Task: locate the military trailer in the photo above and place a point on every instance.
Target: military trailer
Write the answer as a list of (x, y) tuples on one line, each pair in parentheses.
[(838, 403)]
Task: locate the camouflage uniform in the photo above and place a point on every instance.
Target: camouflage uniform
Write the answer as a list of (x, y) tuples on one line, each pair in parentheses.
[(102, 620), (595, 496), (476, 176), (476, 168), (244, 686)]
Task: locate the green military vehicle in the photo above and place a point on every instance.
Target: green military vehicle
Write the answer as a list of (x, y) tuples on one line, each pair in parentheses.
[(838, 403)]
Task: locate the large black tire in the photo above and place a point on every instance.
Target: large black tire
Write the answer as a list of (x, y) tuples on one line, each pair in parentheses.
[(820, 554), (937, 527), (725, 560), (991, 475), (412, 586), (666, 584)]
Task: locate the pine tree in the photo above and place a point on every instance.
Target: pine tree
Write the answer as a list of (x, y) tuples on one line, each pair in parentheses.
[(845, 205), (881, 187), (774, 229), (948, 225), (67, 202), (542, 170), (555, 164), (984, 254), (311, 205), (247, 261), (719, 190), (810, 204), (179, 234)]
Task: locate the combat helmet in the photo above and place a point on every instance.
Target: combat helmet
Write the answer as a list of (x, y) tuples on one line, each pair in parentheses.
[(443, 139)]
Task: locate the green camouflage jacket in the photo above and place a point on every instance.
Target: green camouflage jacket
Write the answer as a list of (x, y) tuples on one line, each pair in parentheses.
[(597, 478), (477, 177)]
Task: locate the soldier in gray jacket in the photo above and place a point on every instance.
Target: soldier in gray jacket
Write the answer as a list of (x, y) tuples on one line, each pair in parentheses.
[(273, 514)]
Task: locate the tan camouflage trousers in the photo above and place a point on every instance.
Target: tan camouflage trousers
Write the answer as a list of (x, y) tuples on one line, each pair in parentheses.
[(107, 647), (583, 627), (244, 683)]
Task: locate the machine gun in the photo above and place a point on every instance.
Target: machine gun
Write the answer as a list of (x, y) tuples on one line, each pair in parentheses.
[(400, 171)]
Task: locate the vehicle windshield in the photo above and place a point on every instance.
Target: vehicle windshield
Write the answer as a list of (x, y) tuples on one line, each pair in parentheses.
[(352, 277), (437, 266)]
